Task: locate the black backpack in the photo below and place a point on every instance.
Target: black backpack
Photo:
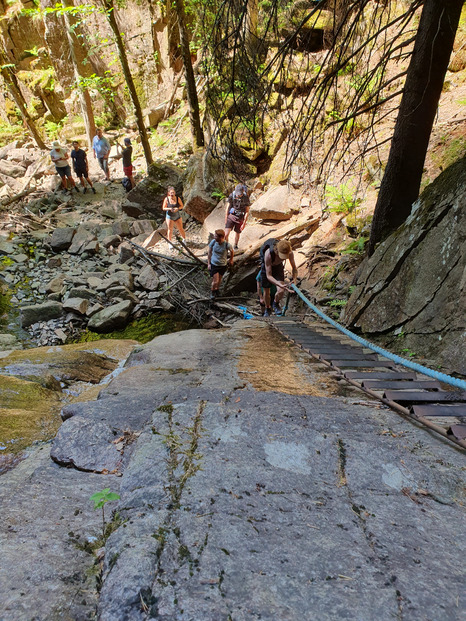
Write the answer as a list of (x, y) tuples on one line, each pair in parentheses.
[(126, 183)]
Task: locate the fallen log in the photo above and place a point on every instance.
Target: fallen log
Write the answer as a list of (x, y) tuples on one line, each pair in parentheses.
[(159, 255), (289, 229)]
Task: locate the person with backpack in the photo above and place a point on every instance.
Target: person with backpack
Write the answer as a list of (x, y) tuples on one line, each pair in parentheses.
[(127, 153), (273, 255), (237, 213), (218, 260), (81, 166), (172, 205)]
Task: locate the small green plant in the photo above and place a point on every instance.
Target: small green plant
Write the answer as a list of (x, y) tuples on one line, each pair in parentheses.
[(218, 194), (337, 303), (356, 247), (408, 352), (341, 199), (100, 499)]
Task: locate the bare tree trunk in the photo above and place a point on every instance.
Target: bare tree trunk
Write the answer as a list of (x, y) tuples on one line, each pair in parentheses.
[(421, 94), (12, 85), (110, 10), (250, 35), (193, 102), (84, 97)]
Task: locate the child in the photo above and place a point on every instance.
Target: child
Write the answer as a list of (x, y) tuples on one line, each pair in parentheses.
[(217, 260)]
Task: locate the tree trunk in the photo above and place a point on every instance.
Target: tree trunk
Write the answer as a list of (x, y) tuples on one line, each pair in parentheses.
[(193, 102), (110, 10), (84, 97), (424, 80), (10, 81)]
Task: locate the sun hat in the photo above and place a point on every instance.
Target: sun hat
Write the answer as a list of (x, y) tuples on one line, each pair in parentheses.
[(127, 141), (283, 249), (55, 143)]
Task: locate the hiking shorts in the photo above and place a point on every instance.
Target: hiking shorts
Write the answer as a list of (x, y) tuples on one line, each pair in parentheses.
[(81, 172), (278, 272), (217, 269), (234, 225), (63, 171), (128, 171)]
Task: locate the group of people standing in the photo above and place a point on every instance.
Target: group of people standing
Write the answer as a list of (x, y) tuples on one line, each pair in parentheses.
[(101, 149)]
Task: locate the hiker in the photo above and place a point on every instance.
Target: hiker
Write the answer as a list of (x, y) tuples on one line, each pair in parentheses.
[(273, 254), (59, 156), (127, 152), (101, 148), (218, 261), (172, 205), (260, 292), (81, 166), (237, 212)]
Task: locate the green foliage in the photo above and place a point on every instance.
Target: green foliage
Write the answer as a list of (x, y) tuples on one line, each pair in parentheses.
[(337, 303), (102, 497), (408, 352), (357, 246), (218, 194), (53, 129), (341, 199), (103, 84), (8, 132)]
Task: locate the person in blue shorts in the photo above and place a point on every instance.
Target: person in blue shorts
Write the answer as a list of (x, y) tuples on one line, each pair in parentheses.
[(172, 206), (219, 257)]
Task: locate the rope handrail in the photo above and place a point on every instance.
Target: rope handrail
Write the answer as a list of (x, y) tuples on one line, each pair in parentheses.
[(442, 377)]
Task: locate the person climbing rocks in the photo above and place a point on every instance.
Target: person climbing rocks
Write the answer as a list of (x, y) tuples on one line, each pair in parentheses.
[(127, 153), (237, 212), (219, 257), (273, 255), (81, 166), (59, 156), (172, 205), (260, 292), (101, 148)]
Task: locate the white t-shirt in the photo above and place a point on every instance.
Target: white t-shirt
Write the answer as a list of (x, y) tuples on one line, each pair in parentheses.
[(60, 153)]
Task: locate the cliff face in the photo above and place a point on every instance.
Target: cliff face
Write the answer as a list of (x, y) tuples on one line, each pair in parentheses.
[(39, 49), (414, 285)]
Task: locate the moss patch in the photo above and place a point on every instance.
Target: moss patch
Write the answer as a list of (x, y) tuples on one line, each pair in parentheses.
[(142, 330)]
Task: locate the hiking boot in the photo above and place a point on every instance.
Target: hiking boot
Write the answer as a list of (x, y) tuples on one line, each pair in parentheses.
[(267, 312), (213, 295), (276, 308), (235, 247), (85, 190), (93, 189), (77, 189)]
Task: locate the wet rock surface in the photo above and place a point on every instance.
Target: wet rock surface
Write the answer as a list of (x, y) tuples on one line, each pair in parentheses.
[(240, 502)]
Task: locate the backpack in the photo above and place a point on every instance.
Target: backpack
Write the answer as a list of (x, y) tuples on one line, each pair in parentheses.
[(126, 183)]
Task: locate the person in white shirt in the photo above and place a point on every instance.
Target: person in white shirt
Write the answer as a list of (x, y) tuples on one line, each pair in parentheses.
[(59, 157)]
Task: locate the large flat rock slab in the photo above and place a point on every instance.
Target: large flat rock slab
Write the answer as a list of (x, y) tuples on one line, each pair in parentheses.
[(253, 486)]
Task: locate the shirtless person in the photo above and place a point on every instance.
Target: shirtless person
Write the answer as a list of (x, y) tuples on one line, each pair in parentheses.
[(273, 254)]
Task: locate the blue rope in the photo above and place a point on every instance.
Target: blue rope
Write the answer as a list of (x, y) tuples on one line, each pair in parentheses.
[(442, 377)]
